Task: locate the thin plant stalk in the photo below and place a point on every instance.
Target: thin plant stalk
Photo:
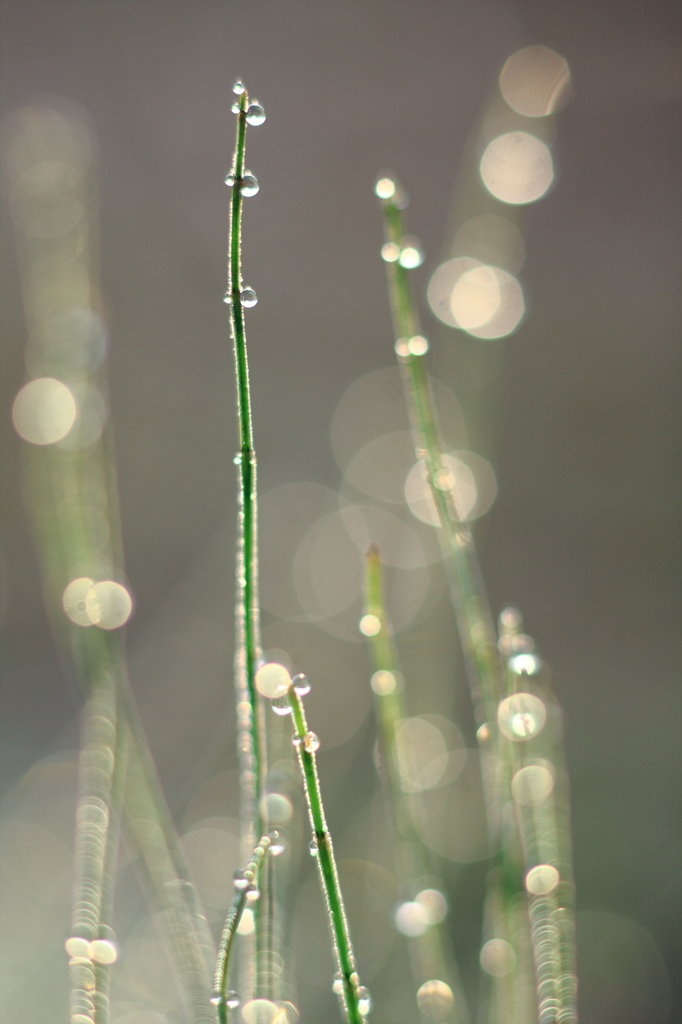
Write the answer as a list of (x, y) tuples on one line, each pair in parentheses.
[(245, 881), (250, 713), (71, 492), (475, 622), (536, 784), (249, 707), (348, 989), (431, 955)]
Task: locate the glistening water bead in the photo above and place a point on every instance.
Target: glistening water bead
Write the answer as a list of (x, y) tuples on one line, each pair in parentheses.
[(248, 297), (364, 1000), (311, 742), (313, 848), (250, 184), (301, 684), (238, 87), (277, 845), (255, 114)]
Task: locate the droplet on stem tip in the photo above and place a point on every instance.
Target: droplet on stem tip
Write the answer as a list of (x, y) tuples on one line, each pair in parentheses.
[(255, 114)]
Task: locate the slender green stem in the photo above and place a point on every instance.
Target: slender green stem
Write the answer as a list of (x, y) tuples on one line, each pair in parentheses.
[(248, 880), (476, 627), (431, 955), (306, 744), (250, 712)]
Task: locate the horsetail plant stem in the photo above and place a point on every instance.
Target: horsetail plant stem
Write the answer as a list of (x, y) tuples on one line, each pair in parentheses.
[(476, 627), (250, 712), (245, 884), (249, 707), (353, 998), (431, 957), (71, 489)]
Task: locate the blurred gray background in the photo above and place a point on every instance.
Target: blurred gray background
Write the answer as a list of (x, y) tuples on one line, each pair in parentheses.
[(578, 412)]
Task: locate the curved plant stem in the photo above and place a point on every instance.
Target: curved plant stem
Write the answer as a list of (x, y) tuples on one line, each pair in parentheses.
[(431, 954), (251, 876), (306, 744)]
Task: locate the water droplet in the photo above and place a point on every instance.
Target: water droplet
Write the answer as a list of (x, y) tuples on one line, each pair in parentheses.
[(273, 680), (77, 947), (301, 684), (238, 87), (240, 881), (277, 844), (370, 625), (247, 924), (383, 682), (250, 184), (313, 848), (433, 904), (524, 664), (532, 784), (542, 879), (255, 114), (259, 851), (411, 255), (282, 705), (385, 188), (232, 999), (498, 958), (248, 297), (237, 459), (418, 345), (364, 1000), (253, 894), (311, 742), (337, 983), (435, 998), (216, 999), (227, 297), (235, 108), (411, 919), (103, 952), (521, 716), (402, 348), (229, 180), (297, 741), (390, 252)]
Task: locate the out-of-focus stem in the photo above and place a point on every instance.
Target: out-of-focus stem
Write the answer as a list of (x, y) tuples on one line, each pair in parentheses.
[(475, 622), (431, 955)]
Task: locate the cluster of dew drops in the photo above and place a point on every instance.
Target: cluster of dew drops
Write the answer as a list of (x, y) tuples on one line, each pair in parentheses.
[(248, 184)]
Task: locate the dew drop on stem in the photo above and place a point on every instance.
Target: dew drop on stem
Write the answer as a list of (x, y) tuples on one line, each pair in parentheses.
[(301, 684), (255, 114), (277, 845), (248, 297), (313, 848), (238, 87), (229, 180), (250, 184), (232, 999), (311, 742), (240, 880)]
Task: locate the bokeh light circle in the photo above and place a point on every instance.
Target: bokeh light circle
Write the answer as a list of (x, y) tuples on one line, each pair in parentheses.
[(44, 411), (517, 168), (535, 81)]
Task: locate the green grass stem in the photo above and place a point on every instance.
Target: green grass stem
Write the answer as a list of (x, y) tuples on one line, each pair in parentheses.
[(476, 626), (252, 744), (431, 955), (247, 880), (351, 995)]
